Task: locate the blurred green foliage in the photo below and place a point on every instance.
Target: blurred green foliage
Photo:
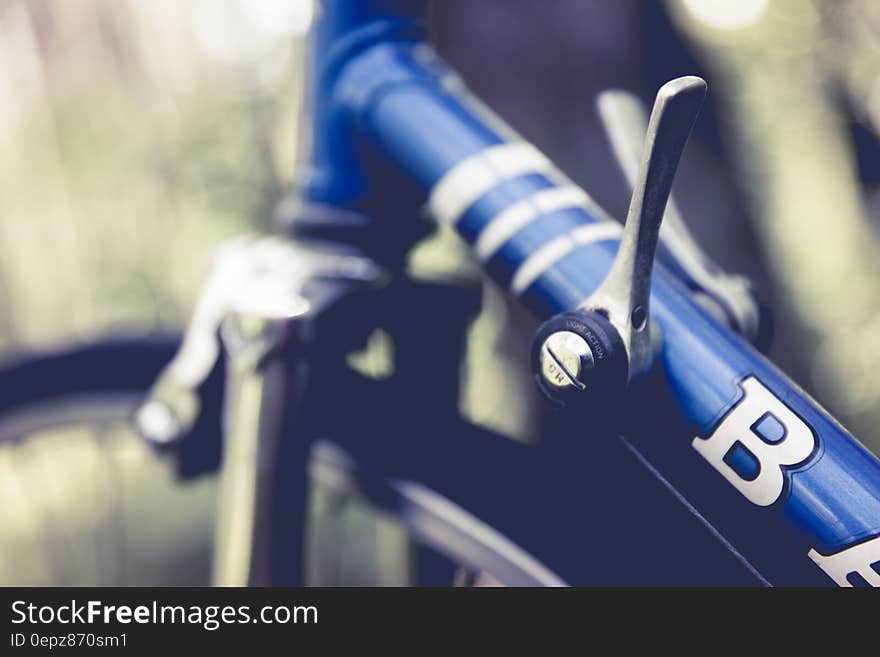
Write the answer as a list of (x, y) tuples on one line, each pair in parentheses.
[(133, 144)]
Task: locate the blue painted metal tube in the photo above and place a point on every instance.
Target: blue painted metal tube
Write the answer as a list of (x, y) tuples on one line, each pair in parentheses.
[(768, 466), (329, 168)]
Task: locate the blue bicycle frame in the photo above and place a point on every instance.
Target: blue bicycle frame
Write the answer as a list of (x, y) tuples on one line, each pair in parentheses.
[(769, 468)]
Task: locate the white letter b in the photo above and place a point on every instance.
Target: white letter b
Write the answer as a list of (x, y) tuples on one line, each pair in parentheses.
[(754, 441)]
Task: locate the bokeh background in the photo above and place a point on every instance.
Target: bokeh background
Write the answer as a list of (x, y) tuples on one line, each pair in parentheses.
[(135, 135)]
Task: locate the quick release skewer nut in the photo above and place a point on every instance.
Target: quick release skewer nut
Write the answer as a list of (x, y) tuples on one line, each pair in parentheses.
[(579, 356)]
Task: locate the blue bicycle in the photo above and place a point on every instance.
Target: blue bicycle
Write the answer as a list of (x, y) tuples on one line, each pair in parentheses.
[(673, 452)]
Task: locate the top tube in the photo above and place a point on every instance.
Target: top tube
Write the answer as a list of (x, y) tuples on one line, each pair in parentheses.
[(766, 465)]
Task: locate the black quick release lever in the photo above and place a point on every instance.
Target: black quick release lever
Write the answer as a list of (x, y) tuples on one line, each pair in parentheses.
[(728, 296), (606, 343)]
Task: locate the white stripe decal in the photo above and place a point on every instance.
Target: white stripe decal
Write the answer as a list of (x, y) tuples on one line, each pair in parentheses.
[(509, 221), (596, 232), (468, 180), (549, 254)]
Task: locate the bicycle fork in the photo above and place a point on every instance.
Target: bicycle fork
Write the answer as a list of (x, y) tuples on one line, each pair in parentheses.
[(263, 387)]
